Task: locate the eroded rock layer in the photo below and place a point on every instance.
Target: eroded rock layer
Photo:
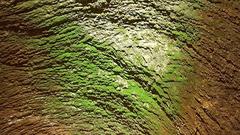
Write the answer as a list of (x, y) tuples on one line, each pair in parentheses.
[(119, 67)]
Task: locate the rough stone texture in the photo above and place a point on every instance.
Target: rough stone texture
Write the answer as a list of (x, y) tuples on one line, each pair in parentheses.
[(214, 106), (119, 67)]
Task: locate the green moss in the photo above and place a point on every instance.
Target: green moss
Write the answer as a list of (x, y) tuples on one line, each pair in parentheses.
[(182, 36), (28, 5), (54, 21), (118, 69), (87, 72)]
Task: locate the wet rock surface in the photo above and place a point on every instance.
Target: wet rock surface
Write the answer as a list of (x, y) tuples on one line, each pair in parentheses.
[(119, 67)]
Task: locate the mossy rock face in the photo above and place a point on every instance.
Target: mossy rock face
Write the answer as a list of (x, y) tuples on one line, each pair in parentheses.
[(110, 67), (97, 66)]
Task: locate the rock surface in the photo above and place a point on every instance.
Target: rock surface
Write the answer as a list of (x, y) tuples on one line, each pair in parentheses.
[(120, 67)]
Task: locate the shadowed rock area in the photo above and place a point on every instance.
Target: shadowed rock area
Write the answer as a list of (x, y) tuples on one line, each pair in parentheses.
[(120, 67)]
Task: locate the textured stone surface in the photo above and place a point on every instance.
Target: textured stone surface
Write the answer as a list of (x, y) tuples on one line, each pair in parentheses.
[(119, 67)]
